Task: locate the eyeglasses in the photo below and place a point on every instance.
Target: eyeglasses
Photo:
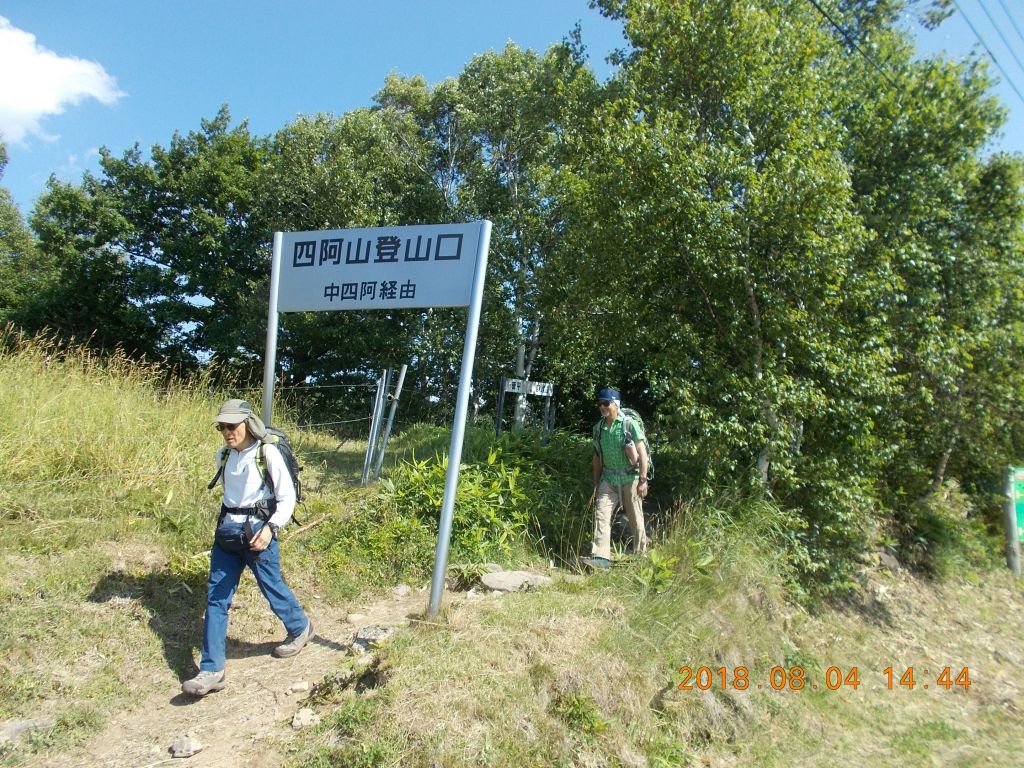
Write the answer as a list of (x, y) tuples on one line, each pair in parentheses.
[(604, 403), (227, 427)]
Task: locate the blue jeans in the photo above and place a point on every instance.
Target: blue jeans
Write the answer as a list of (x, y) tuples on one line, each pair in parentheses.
[(225, 571)]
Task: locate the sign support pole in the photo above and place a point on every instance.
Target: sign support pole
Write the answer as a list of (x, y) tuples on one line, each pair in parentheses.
[(270, 357), (459, 425)]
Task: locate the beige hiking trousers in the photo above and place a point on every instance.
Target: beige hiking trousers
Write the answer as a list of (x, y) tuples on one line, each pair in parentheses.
[(606, 501)]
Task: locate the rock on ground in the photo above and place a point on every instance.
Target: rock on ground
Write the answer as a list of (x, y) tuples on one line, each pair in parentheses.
[(514, 581), (185, 746), (304, 718)]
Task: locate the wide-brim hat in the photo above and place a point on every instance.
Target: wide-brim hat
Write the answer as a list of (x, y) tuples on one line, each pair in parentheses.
[(234, 412)]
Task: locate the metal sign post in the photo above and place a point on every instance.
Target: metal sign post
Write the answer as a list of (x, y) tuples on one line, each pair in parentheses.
[(522, 387), (270, 358), (451, 482)]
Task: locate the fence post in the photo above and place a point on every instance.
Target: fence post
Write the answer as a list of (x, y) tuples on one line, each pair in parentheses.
[(391, 421), (378, 407), (500, 407)]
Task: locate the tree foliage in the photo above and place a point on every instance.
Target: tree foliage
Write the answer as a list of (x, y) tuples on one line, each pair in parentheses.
[(21, 271)]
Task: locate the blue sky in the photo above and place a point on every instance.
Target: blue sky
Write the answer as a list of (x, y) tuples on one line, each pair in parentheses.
[(77, 75)]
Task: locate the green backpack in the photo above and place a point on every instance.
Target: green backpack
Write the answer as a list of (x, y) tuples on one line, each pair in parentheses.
[(629, 417)]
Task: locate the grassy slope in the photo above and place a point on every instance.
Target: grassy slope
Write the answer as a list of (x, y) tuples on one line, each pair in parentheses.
[(586, 675), (105, 496)]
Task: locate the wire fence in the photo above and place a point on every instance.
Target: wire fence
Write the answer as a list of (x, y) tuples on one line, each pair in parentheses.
[(418, 406)]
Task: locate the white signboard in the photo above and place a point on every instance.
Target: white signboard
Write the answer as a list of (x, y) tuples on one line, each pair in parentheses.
[(543, 388), (428, 265)]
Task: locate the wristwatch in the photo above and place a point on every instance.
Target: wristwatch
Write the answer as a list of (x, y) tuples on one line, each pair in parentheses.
[(274, 528)]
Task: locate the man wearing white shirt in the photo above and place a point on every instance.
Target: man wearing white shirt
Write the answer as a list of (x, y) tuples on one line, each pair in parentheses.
[(252, 512)]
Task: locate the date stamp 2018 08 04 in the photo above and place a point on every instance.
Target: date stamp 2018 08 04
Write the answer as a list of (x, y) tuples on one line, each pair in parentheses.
[(835, 678)]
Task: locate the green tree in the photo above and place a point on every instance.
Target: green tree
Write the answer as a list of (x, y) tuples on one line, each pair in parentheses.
[(325, 172), (162, 255), (95, 295), (492, 140), (948, 226), (719, 249), (194, 239), (22, 272)]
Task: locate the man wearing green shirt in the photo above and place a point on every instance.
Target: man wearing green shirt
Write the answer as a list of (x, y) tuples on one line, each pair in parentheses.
[(620, 477)]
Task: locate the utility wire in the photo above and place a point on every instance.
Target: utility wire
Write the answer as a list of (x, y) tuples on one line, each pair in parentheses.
[(987, 50), (1002, 37), (1014, 23), (849, 39)]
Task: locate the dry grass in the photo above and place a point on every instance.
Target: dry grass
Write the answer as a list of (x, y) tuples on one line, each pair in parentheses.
[(568, 677)]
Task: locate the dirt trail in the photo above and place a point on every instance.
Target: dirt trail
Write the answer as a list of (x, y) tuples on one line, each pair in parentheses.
[(244, 725)]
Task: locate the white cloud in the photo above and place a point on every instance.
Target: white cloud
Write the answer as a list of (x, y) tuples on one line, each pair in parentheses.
[(35, 83)]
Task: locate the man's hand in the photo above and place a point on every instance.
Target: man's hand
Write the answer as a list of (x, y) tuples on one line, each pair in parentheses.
[(261, 540), (641, 488)]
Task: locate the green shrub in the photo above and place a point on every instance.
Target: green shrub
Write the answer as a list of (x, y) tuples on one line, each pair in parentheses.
[(942, 535), (519, 496), (490, 514)]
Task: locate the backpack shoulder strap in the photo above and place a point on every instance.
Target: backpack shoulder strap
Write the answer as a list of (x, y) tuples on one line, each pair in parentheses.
[(261, 462), (221, 462)]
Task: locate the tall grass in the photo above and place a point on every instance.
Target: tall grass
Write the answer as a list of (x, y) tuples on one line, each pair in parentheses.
[(105, 526), (104, 462), (95, 448)]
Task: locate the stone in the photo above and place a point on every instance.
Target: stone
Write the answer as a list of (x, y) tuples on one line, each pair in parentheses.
[(304, 718), (375, 635), (354, 618), (889, 561), (299, 687), (185, 746), (368, 638), (514, 581), (401, 590)]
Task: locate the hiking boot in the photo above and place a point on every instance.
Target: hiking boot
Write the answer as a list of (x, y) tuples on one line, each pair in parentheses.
[(204, 683), (294, 643), (597, 563)]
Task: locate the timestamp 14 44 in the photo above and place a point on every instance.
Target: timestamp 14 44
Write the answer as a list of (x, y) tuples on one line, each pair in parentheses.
[(795, 678), (945, 678)]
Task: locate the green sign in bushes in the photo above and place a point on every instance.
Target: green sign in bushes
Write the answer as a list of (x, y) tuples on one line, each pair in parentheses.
[(1017, 497)]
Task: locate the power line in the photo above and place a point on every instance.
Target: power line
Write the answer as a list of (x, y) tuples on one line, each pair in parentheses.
[(849, 39), (988, 51), (1014, 23), (1002, 37)]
